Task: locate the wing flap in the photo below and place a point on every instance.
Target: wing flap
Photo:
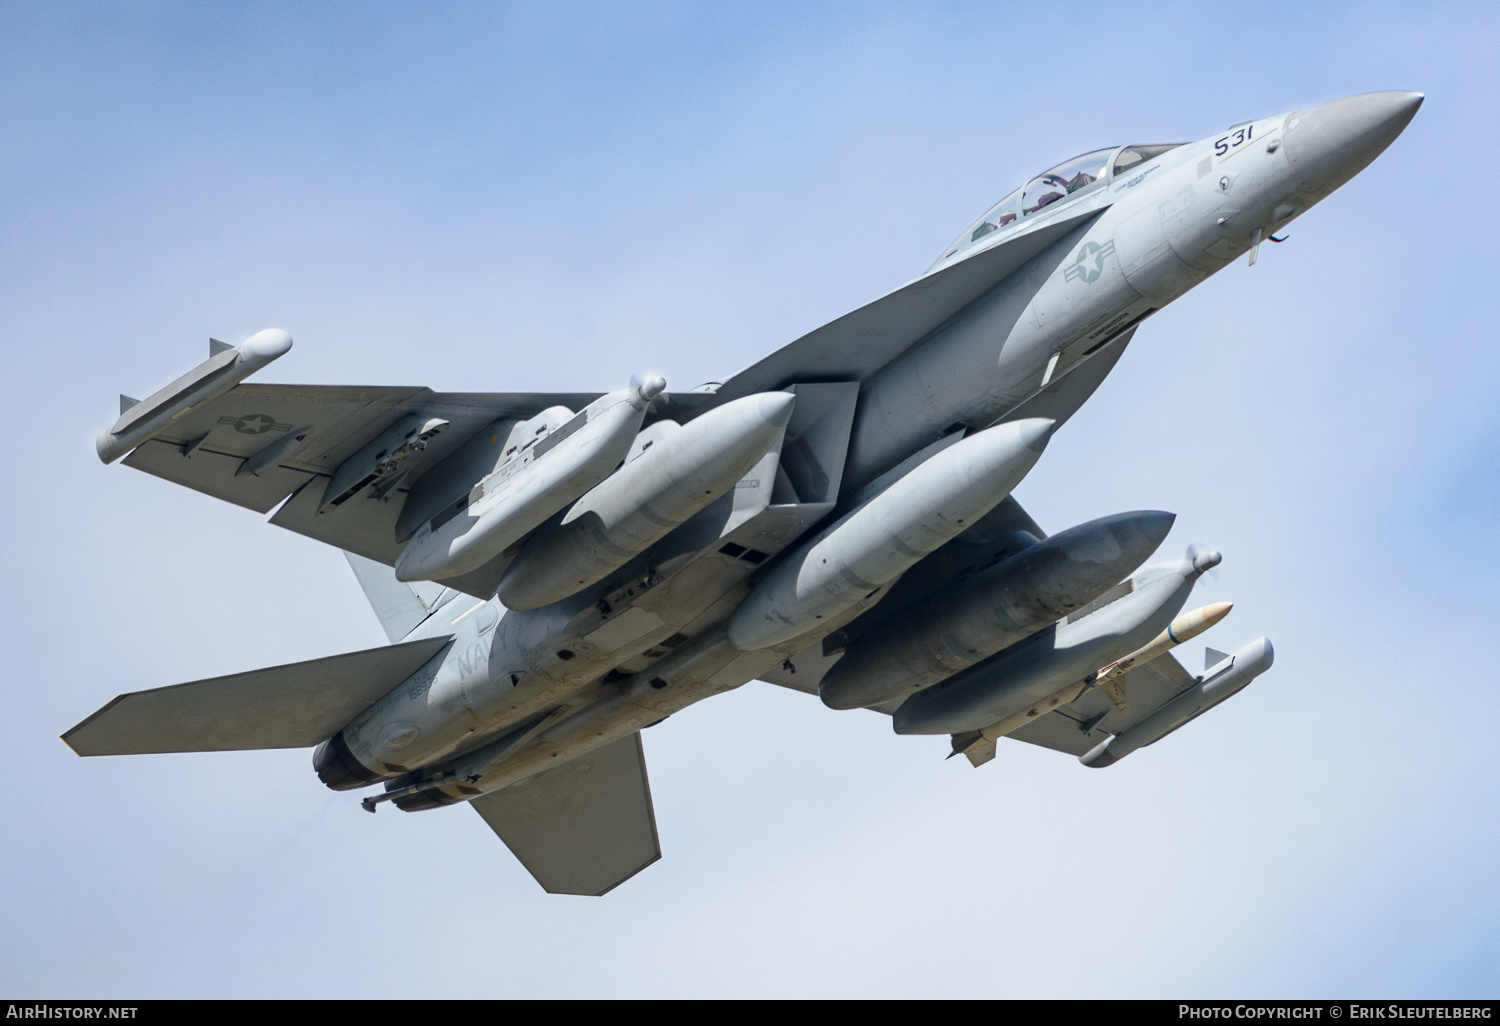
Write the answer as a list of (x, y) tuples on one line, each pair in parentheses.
[(293, 706), (215, 473), (364, 525), (584, 827)]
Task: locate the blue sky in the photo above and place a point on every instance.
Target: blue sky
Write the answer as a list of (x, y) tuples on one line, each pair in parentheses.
[(551, 196)]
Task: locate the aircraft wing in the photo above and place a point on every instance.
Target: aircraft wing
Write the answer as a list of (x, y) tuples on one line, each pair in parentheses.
[(1081, 724), (584, 827), (260, 445), (293, 706), (861, 342), (208, 448)]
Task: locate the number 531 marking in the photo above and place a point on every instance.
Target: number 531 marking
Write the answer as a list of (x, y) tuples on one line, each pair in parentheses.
[(1234, 140)]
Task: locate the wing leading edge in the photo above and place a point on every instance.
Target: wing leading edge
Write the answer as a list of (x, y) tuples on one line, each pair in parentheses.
[(859, 343), (263, 446), (293, 706)]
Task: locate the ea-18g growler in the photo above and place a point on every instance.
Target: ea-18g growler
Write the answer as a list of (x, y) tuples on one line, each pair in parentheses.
[(559, 572)]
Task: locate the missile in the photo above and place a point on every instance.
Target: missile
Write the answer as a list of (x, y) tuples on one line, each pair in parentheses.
[(1227, 678), (882, 539), (1058, 656), (1183, 628), (677, 472), (993, 609), (1111, 679), (531, 486), (224, 369)]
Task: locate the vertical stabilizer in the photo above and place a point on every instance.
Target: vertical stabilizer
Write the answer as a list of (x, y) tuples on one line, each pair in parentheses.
[(399, 606)]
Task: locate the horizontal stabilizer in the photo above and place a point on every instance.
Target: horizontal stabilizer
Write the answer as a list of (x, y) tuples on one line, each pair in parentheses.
[(584, 827), (293, 706)]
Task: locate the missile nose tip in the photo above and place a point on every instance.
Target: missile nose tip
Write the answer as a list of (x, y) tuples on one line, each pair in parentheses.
[(1216, 611)]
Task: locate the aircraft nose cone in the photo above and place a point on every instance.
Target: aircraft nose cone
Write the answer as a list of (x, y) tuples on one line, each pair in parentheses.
[(1332, 142)]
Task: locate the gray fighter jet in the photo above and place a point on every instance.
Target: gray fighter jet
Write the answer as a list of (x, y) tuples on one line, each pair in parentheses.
[(558, 572)]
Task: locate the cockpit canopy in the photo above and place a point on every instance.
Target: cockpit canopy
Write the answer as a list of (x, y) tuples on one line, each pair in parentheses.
[(1066, 181)]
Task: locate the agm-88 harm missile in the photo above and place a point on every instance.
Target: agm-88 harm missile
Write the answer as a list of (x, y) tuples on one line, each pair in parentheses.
[(1111, 679), (993, 609), (1057, 656), (677, 470), (878, 542), (1227, 678), (531, 486), (1183, 628)]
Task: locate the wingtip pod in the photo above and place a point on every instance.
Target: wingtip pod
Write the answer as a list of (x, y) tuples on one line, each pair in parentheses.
[(264, 346), (1223, 681), (223, 370)]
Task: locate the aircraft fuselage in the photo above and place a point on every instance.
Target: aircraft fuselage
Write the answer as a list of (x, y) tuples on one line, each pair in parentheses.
[(522, 690)]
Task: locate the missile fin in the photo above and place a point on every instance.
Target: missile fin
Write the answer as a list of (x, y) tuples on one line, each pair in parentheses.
[(980, 752), (961, 742), (215, 347), (977, 748), (127, 404), (1114, 689), (1212, 656)]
